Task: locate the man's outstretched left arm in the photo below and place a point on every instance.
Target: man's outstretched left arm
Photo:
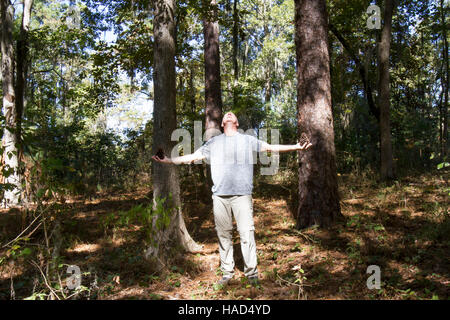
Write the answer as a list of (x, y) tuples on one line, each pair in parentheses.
[(284, 147)]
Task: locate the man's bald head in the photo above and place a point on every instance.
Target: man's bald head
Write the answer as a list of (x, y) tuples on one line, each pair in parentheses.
[(230, 118)]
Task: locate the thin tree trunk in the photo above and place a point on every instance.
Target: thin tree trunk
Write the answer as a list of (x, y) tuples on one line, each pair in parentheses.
[(165, 177), (269, 63), (441, 132), (268, 85), (235, 43), (318, 192), (387, 172), (9, 140), (235, 40), (192, 100), (445, 83)]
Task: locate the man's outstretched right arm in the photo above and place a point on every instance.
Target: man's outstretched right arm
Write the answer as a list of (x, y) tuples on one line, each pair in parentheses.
[(180, 160)]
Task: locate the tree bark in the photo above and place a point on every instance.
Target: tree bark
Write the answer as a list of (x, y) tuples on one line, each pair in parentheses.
[(445, 82), (213, 91), (235, 40), (235, 44), (9, 140), (318, 190), (21, 74), (386, 167), (165, 177), (269, 62), (192, 100), (22, 64)]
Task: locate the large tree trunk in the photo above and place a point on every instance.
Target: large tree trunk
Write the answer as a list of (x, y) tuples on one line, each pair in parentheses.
[(318, 191), (213, 91), (9, 140), (165, 177), (21, 73), (387, 172)]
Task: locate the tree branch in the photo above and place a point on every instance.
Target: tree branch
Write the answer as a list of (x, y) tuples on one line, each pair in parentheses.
[(374, 110)]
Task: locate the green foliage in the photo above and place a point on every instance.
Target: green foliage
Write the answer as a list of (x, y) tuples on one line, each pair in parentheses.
[(37, 296), (152, 218), (73, 79), (443, 165), (416, 70)]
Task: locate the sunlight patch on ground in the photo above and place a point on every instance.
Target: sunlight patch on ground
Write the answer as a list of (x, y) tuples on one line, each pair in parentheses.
[(85, 248)]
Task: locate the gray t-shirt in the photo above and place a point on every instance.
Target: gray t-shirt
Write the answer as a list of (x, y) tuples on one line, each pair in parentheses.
[(231, 159)]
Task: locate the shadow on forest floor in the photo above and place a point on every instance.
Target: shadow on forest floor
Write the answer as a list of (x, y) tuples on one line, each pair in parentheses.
[(404, 229)]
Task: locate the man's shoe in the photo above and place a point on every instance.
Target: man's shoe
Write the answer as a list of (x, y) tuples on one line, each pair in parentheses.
[(224, 281), (253, 280)]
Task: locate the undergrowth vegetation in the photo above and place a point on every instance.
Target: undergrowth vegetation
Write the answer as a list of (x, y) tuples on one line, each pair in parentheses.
[(403, 228)]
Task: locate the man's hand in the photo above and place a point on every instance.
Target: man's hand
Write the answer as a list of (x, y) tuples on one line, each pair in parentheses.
[(189, 158), (162, 160), (285, 148), (303, 146)]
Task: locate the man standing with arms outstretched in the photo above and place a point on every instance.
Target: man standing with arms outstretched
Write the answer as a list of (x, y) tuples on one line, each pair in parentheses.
[(231, 157)]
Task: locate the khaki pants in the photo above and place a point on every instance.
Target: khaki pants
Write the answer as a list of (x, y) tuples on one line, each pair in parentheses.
[(242, 208)]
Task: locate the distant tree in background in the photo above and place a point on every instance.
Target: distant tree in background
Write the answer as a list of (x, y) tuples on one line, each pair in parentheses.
[(386, 168), (443, 122)]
